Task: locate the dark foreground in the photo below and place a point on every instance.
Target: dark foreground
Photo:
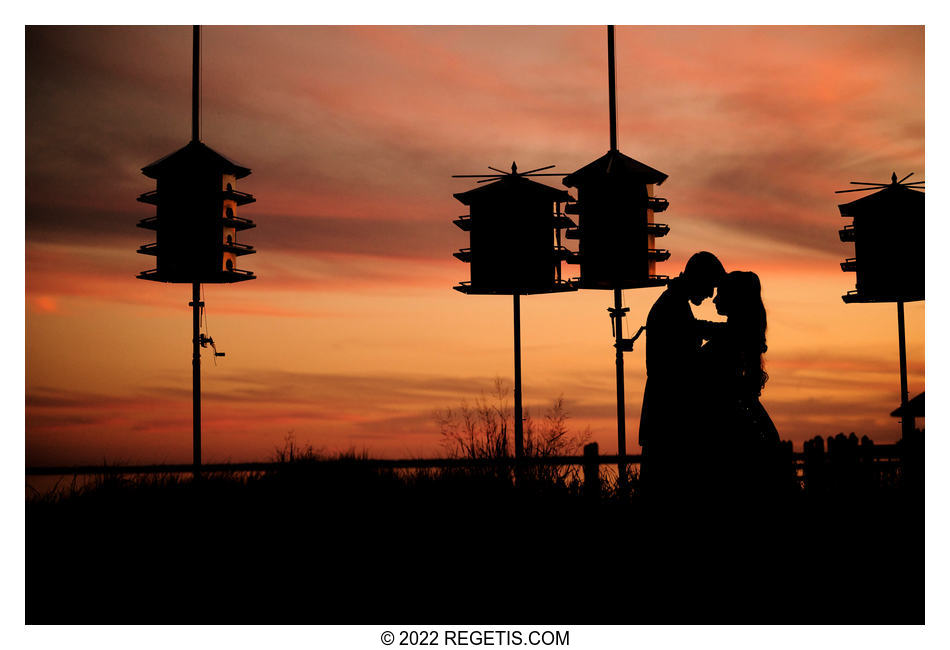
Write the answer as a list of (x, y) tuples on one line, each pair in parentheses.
[(350, 546)]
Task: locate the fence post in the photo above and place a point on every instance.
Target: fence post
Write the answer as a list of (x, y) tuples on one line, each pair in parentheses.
[(591, 472), (911, 462), (869, 481), (814, 470)]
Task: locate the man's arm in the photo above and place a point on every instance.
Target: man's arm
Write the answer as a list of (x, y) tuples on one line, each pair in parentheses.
[(707, 329)]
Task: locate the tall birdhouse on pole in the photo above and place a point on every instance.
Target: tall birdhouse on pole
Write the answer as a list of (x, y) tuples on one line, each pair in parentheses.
[(616, 229), (616, 232), (196, 221), (514, 227), (196, 225), (888, 263), (888, 235)]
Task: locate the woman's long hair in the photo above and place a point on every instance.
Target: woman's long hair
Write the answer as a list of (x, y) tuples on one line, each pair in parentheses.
[(747, 321)]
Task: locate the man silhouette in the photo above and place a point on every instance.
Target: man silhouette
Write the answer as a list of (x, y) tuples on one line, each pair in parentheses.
[(668, 433)]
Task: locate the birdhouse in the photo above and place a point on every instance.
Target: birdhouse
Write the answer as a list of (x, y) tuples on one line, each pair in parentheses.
[(616, 231), (514, 227), (888, 235), (196, 217)]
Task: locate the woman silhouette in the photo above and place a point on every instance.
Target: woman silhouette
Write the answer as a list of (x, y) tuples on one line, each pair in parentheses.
[(741, 433)]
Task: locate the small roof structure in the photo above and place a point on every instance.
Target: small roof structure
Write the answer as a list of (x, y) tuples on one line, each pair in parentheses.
[(915, 408), (615, 163), (512, 184), (893, 198), (194, 155)]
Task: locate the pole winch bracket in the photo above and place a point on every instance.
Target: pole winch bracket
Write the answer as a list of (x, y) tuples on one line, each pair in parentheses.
[(616, 313), (205, 341)]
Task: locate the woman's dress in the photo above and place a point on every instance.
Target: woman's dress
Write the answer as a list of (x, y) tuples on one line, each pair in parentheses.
[(739, 435)]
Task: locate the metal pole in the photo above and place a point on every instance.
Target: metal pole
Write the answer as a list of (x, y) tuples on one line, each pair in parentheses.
[(195, 80), (907, 421), (196, 303), (612, 87), (618, 297), (519, 420), (621, 410), (557, 242), (196, 306)]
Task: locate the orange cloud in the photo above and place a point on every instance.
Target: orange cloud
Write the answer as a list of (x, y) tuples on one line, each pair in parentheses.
[(45, 304)]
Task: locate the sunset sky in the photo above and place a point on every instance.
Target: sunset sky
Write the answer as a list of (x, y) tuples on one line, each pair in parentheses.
[(352, 335)]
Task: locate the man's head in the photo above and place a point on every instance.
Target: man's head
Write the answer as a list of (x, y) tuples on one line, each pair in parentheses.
[(701, 276)]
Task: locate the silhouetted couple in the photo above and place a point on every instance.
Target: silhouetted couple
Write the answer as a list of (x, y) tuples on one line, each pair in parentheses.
[(702, 428)]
